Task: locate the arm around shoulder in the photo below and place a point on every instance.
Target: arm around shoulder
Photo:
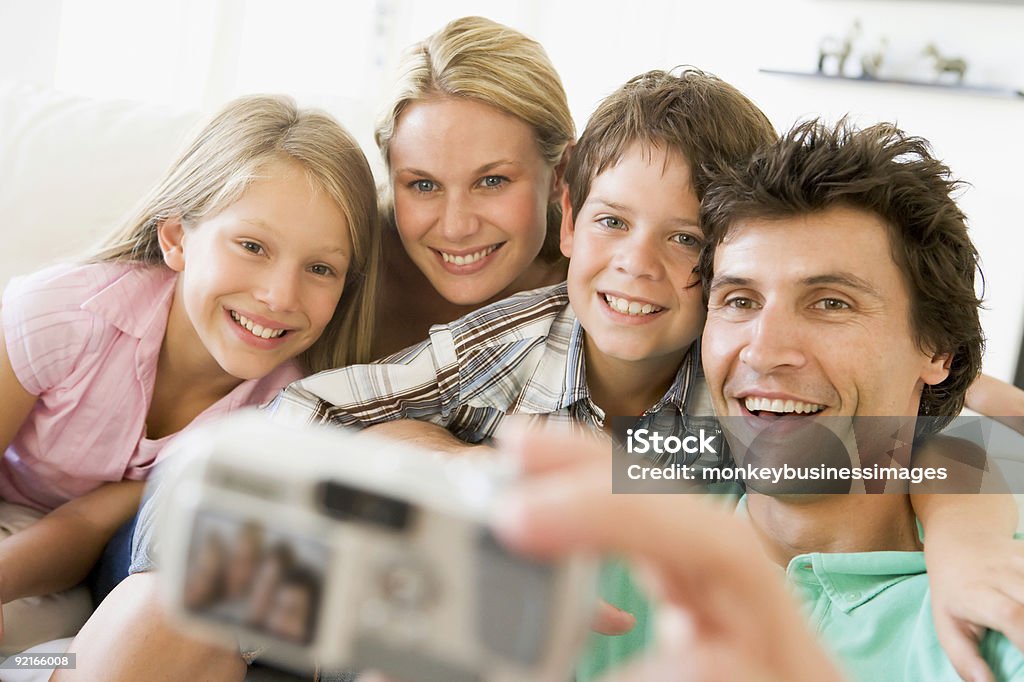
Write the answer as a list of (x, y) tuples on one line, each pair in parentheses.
[(997, 399)]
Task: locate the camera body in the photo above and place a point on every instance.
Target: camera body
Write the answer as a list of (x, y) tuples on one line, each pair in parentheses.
[(360, 553)]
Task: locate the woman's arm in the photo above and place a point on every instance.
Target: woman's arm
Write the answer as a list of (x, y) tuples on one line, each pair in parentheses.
[(422, 434), (997, 399), (971, 555)]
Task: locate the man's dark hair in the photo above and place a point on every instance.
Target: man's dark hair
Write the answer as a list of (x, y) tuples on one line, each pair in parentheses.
[(884, 171)]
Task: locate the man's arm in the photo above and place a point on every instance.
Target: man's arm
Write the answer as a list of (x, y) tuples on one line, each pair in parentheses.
[(725, 610)]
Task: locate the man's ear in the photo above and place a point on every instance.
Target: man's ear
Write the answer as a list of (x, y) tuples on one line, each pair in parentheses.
[(937, 369), (568, 227), (171, 233)]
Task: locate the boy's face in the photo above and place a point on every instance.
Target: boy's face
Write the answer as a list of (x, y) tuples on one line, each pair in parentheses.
[(632, 251)]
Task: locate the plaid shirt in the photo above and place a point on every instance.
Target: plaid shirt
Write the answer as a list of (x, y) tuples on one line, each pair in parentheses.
[(521, 355)]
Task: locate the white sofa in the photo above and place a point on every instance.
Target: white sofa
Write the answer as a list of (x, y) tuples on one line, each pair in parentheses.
[(71, 168)]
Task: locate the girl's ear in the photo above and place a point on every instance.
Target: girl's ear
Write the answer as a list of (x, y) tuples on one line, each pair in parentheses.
[(170, 233)]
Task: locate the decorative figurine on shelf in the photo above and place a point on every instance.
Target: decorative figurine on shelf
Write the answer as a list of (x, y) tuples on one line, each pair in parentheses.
[(839, 49), (944, 65), (871, 62)]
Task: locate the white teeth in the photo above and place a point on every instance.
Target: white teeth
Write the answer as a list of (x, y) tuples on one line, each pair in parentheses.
[(468, 259), (626, 307), (257, 330), (781, 406)]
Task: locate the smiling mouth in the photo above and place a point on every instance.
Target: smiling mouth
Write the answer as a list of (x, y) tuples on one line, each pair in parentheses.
[(255, 329), (627, 307), (778, 407), (469, 258)]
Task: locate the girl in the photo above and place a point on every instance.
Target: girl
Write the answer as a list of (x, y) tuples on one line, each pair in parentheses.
[(227, 284), (474, 139)]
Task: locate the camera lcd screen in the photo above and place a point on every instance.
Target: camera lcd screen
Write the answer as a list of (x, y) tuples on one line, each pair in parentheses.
[(244, 573)]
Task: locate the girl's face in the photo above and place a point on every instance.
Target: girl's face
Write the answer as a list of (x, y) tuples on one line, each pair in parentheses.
[(471, 195), (261, 279)]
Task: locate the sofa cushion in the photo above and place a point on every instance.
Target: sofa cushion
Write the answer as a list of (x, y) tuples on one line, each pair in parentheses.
[(72, 168)]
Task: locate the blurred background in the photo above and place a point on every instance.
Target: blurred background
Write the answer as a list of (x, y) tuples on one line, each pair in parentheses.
[(184, 58)]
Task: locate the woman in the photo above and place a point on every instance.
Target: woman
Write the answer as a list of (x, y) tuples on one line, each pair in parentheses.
[(474, 140)]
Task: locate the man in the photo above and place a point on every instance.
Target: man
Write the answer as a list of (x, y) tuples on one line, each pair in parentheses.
[(840, 285)]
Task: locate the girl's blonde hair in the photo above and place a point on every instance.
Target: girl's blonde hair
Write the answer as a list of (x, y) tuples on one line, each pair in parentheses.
[(480, 59), (232, 151)]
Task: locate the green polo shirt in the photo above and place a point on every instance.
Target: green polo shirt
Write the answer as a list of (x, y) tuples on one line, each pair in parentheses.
[(873, 611), (606, 652)]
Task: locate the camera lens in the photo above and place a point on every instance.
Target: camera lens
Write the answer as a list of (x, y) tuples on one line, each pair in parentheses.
[(407, 584)]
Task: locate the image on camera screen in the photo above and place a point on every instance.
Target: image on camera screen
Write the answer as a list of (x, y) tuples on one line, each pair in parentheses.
[(246, 574)]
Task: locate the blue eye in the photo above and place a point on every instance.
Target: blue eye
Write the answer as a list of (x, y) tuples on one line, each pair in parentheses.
[(612, 222), (423, 186), (493, 181)]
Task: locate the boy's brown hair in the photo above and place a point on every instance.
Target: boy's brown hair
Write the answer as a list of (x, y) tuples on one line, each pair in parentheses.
[(702, 117)]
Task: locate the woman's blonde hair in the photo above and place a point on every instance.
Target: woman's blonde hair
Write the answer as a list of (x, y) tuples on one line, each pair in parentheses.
[(232, 151), (480, 59)]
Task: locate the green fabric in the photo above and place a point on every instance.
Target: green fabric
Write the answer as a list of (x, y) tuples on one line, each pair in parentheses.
[(873, 611), (604, 652)]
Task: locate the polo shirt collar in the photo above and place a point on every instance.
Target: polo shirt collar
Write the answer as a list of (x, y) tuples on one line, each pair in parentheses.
[(849, 579), (853, 579), (134, 301)]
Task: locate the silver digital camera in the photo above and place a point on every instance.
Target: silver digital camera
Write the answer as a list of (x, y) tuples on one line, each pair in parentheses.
[(318, 545)]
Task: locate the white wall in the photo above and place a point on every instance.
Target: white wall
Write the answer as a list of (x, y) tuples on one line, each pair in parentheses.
[(339, 55)]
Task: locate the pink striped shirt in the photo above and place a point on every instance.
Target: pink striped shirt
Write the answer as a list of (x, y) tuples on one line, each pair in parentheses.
[(85, 339)]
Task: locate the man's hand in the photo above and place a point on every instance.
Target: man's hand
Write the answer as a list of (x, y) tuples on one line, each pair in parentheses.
[(723, 606), (609, 620)]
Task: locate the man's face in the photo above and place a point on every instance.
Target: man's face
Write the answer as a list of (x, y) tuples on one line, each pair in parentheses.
[(811, 315)]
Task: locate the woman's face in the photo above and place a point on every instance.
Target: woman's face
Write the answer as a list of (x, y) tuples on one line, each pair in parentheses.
[(471, 195)]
